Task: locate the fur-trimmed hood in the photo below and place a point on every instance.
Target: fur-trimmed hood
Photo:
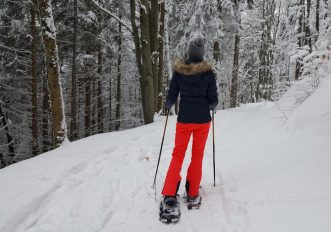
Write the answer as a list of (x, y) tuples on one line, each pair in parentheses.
[(190, 69)]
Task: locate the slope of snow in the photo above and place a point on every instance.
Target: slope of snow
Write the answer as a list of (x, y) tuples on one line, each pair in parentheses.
[(272, 175)]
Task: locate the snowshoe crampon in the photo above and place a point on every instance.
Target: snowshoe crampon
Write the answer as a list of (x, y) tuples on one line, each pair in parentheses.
[(169, 210), (193, 202)]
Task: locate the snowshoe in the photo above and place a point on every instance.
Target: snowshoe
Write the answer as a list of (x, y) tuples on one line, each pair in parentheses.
[(169, 210), (193, 202)]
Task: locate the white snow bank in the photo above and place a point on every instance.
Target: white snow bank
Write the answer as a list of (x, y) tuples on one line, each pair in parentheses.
[(272, 175)]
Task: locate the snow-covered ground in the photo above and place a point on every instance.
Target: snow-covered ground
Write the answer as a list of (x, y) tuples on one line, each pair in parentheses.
[(273, 169)]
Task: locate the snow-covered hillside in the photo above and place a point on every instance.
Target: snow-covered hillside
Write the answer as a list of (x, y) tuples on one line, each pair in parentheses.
[(273, 175)]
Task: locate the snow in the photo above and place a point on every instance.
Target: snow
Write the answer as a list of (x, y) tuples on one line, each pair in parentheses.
[(272, 175), (50, 29)]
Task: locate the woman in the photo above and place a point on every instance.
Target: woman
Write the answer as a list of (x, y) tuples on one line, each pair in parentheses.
[(195, 80)]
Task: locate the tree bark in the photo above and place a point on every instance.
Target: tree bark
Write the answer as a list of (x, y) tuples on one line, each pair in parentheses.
[(10, 141), (235, 73), (148, 86), (52, 63), (73, 113), (136, 39), (298, 67), (161, 57), (47, 129), (34, 80), (94, 127), (317, 19), (307, 29), (100, 102), (110, 103), (87, 103), (118, 92), (154, 43), (216, 52)]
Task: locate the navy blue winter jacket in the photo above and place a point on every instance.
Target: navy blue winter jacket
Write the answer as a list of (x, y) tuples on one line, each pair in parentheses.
[(196, 83)]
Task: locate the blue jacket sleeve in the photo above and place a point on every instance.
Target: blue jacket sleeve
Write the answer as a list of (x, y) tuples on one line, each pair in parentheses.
[(212, 91), (173, 92)]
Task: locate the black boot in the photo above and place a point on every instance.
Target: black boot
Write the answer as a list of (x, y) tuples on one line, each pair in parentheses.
[(169, 209)]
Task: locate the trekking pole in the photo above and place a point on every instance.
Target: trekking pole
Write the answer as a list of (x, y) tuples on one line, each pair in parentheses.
[(158, 162), (213, 144)]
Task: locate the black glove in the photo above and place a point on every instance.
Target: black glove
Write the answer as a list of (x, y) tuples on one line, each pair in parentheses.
[(212, 109), (168, 105), (213, 106)]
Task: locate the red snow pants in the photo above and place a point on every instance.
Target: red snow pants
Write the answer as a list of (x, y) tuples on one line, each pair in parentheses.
[(194, 171)]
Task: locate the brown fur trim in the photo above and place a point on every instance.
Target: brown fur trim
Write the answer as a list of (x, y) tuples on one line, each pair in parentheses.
[(191, 69)]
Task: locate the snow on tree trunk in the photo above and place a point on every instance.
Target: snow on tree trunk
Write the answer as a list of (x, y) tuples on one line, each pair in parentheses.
[(154, 44), (161, 56), (52, 66)]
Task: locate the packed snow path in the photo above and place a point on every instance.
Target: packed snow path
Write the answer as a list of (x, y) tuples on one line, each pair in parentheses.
[(272, 175)]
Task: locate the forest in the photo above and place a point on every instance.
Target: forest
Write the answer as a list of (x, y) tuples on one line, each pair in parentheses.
[(70, 69)]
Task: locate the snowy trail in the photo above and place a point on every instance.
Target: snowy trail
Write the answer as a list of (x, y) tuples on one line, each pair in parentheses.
[(272, 174)]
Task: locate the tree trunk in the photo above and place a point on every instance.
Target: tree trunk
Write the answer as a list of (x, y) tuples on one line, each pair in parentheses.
[(100, 102), (110, 104), (154, 43), (34, 81), (298, 68), (307, 29), (235, 73), (136, 39), (118, 92), (73, 114), (216, 52), (46, 118), (87, 103), (94, 96), (10, 141), (52, 63), (148, 86), (262, 70), (161, 57), (317, 19)]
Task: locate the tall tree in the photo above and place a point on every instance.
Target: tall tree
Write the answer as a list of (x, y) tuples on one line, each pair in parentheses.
[(88, 102), (298, 68), (100, 96), (146, 52), (317, 19), (47, 129), (154, 44), (307, 26), (34, 79), (11, 150), (235, 72), (119, 77), (73, 115), (52, 66), (235, 69), (160, 79)]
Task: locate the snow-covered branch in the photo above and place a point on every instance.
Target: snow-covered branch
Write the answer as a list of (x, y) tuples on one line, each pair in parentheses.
[(112, 15)]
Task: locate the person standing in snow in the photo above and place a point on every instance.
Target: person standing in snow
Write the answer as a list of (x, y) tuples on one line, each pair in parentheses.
[(195, 80)]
